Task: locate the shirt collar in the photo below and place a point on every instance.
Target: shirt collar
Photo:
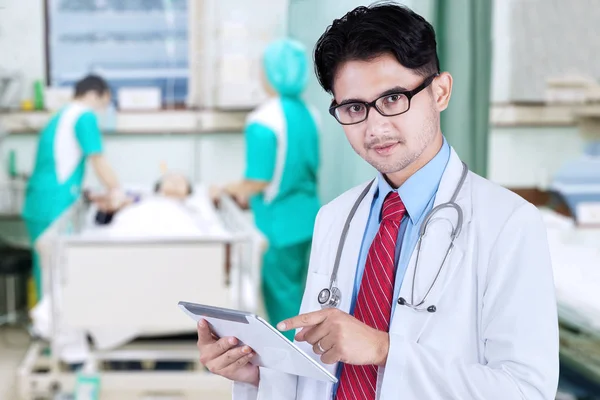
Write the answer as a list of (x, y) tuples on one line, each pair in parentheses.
[(420, 188)]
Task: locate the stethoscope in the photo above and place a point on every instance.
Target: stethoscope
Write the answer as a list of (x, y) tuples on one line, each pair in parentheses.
[(330, 297)]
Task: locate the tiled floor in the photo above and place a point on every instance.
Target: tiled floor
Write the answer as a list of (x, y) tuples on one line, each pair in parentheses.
[(13, 345)]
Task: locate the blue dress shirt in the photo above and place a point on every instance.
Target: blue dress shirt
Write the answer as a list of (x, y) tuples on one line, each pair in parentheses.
[(418, 194)]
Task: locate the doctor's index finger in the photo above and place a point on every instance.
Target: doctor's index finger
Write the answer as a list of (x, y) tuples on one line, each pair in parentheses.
[(303, 320)]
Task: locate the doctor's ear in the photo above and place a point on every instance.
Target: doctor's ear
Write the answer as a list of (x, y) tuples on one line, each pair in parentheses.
[(442, 89)]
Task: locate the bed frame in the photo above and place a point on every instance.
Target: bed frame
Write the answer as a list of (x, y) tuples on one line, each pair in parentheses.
[(137, 284)]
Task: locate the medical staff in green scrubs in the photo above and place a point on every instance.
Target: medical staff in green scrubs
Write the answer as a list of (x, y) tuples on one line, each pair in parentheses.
[(282, 156), (70, 138)]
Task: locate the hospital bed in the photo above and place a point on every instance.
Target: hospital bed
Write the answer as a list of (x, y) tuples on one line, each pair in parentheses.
[(575, 252), (120, 291)]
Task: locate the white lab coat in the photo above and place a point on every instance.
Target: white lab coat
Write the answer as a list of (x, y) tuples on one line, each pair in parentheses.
[(495, 332)]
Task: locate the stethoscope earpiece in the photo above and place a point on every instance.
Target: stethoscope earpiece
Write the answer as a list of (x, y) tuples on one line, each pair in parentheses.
[(402, 301)]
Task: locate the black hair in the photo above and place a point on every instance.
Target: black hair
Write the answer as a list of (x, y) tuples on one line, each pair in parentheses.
[(91, 83), (368, 32)]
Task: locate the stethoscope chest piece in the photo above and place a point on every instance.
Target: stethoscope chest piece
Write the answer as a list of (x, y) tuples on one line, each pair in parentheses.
[(330, 297)]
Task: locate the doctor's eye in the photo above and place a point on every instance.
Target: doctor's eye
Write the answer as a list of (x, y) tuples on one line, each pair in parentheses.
[(393, 103), (391, 99), (353, 109)]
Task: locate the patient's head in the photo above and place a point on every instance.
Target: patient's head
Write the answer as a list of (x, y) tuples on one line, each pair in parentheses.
[(174, 185)]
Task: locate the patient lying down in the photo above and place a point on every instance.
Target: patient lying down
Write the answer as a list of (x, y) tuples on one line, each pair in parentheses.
[(169, 211)]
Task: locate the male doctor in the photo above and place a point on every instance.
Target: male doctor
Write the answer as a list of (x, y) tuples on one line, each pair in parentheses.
[(488, 327)]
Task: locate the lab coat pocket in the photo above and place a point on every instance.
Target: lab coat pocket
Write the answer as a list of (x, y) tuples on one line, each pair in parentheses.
[(434, 287)]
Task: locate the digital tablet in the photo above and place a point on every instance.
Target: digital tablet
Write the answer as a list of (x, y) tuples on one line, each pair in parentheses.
[(273, 350)]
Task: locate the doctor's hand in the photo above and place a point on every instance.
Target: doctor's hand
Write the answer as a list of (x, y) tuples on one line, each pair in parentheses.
[(216, 192), (339, 337), (225, 358), (110, 202)]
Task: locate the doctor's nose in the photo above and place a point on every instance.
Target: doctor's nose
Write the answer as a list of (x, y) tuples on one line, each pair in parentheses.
[(377, 124)]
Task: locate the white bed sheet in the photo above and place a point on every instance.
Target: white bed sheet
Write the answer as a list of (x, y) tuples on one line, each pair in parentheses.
[(156, 216), (575, 256), (202, 222)]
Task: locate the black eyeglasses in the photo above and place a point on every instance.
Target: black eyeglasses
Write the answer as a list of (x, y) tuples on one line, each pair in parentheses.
[(388, 105)]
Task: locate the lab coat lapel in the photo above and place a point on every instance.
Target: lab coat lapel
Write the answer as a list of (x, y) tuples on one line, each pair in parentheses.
[(351, 253), (433, 250)]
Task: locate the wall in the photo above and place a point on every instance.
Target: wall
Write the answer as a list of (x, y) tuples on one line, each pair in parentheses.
[(525, 157), (554, 46), (207, 158), (551, 39), (21, 40), (501, 52)]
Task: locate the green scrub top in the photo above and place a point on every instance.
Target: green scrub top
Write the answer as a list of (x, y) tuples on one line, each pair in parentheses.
[(67, 140), (282, 147), (282, 143)]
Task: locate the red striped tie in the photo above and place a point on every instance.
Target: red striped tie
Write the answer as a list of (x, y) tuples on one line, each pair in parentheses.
[(374, 302)]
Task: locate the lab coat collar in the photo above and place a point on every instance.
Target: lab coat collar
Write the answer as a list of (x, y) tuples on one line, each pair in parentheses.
[(351, 252), (449, 182), (418, 190)]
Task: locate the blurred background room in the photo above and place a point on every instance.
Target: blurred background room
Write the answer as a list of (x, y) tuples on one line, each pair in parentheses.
[(145, 108)]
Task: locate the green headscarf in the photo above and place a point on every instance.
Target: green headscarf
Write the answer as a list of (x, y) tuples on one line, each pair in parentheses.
[(286, 67)]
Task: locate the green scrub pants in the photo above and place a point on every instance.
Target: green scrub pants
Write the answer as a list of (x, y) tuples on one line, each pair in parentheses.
[(35, 229), (283, 278)]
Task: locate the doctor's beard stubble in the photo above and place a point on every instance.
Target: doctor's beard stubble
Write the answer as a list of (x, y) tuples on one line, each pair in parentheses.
[(402, 156)]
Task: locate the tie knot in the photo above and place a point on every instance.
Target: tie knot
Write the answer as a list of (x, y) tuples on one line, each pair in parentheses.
[(393, 208)]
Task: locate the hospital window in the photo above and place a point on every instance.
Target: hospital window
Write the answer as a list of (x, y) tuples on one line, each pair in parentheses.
[(133, 43)]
